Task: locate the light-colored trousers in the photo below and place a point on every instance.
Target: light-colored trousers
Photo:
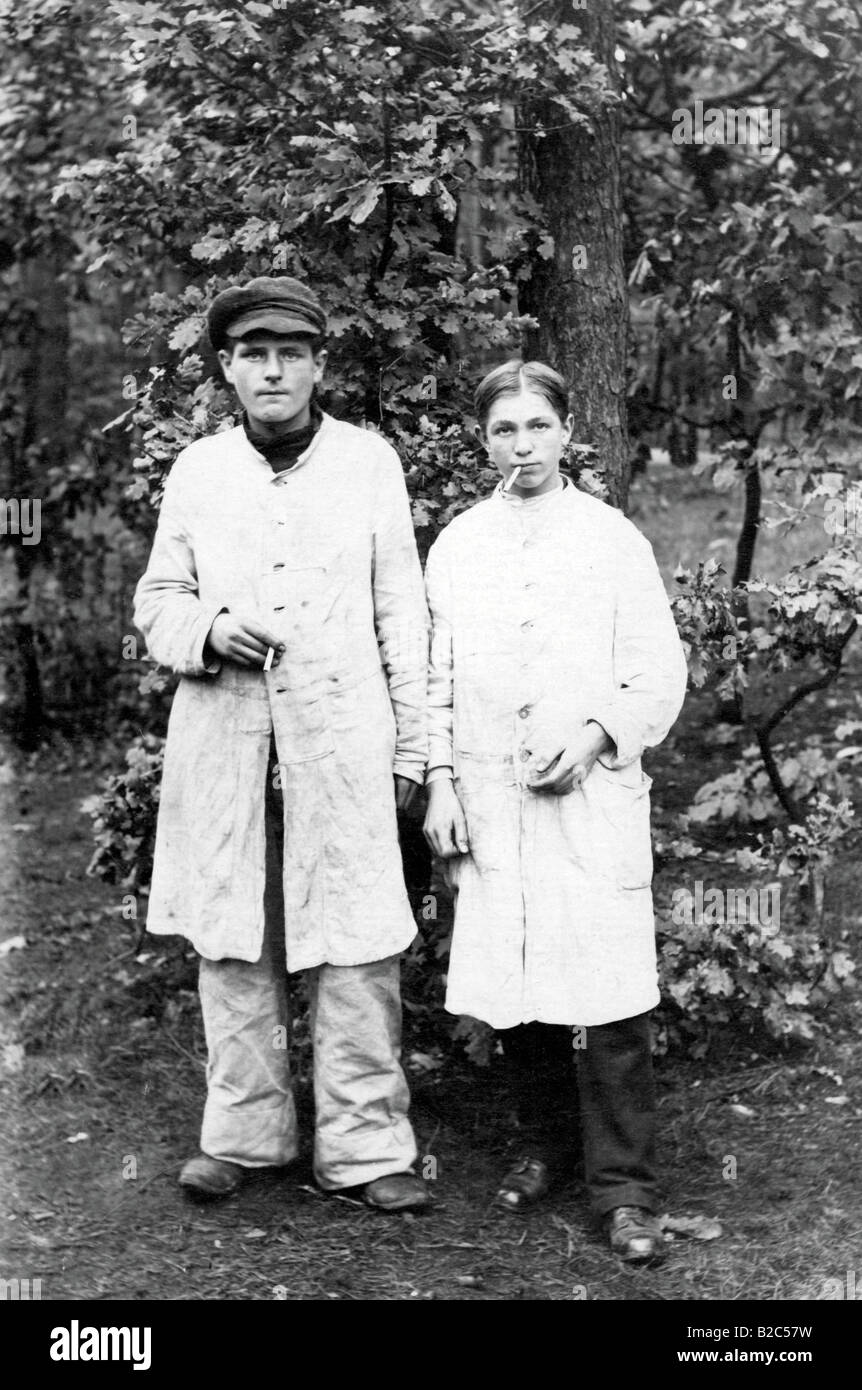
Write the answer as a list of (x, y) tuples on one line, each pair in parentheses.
[(361, 1096)]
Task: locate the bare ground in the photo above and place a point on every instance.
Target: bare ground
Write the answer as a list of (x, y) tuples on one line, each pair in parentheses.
[(102, 1084)]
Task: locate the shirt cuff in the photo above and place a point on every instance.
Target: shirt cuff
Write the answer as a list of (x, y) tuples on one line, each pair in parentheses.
[(213, 666), (627, 748), (439, 774)]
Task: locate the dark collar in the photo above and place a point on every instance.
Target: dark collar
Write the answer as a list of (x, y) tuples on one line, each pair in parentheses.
[(283, 450)]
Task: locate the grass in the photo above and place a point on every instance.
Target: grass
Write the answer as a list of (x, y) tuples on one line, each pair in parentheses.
[(688, 521), (101, 1045)]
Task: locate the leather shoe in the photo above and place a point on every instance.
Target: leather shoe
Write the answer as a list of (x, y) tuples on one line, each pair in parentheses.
[(635, 1235), (524, 1184), (396, 1192), (208, 1179)]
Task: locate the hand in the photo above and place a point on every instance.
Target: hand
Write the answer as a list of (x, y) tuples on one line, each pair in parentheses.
[(445, 826), (405, 793), (560, 770), (242, 640)]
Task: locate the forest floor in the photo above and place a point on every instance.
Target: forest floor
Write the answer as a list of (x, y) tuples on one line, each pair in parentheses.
[(102, 1085)]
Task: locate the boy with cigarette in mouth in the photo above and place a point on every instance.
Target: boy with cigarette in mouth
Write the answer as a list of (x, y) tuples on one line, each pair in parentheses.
[(285, 589), (555, 664)]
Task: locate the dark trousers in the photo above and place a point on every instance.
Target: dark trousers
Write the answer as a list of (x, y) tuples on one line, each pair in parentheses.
[(604, 1086)]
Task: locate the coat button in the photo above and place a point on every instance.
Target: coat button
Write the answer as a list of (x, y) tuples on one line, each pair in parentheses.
[(524, 755), (523, 711)]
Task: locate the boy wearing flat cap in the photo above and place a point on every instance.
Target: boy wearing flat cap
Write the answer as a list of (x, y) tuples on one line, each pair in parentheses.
[(285, 589)]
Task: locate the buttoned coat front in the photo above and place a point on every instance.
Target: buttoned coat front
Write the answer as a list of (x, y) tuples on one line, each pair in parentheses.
[(323, 556), (547, 614)]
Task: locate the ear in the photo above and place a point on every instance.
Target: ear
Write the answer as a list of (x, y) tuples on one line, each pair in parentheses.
[(480, 435), (225, 358), (319, 365), (568, 427)]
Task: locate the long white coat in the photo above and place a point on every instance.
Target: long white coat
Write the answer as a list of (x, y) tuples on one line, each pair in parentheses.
[(324, 556), (547, 614)]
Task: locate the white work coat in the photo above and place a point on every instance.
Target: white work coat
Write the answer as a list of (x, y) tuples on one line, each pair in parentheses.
[(322, 555), (547, 613)]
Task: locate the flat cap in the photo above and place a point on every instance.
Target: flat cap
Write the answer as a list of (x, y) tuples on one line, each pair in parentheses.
[(278, 304)]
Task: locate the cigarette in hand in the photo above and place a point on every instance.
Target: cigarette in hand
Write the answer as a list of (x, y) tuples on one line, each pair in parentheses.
[(512, 478), (270, 657)]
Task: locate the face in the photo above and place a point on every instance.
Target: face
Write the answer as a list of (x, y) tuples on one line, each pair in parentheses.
[(525, 430), (274, 377)]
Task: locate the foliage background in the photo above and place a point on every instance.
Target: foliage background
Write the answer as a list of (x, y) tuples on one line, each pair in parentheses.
[(152, 153)]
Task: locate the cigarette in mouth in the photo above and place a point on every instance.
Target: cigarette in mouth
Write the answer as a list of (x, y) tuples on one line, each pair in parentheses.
[(270, 657), (512, 478)]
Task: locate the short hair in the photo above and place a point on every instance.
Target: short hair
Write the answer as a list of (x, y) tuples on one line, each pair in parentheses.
[(515, 376)]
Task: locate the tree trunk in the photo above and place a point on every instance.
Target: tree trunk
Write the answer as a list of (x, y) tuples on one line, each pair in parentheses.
[(38, 363), (750, 529), (578, 295), (744, 428)]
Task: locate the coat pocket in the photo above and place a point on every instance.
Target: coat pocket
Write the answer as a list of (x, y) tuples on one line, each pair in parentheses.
[(361, 714), (619, 803), (479, 767), (483, 699), (251, 713), (303, 731)]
